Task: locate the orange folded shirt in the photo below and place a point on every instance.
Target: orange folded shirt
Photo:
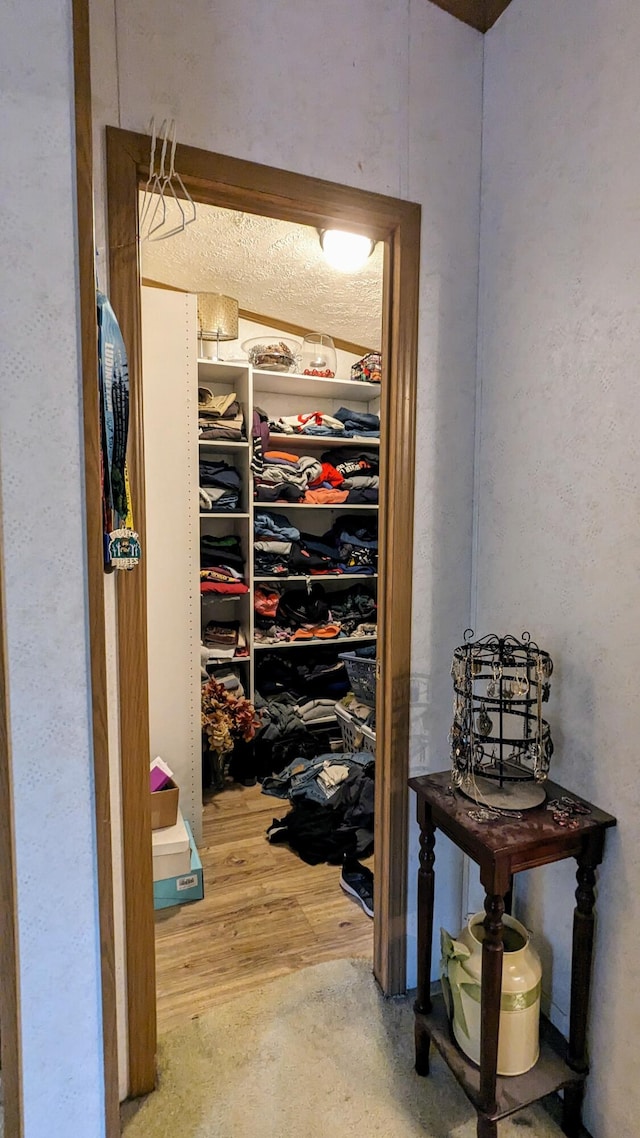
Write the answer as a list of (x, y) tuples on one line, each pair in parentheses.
[(326, 497), (281, 454)]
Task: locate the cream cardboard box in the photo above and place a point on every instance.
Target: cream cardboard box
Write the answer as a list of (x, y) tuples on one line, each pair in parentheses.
[(171, 851), (179, 890)]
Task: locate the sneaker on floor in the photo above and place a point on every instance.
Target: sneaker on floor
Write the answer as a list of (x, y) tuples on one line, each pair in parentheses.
[(357, 881)]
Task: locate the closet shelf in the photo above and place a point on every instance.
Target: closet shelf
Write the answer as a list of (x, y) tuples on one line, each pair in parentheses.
[(351, 506), (219, 371), (222, 514), (288, 383), (314, 643), (322, 577), (222, 444), (322, 442)]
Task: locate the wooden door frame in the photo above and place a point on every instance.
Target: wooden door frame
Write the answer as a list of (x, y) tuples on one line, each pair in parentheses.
[(95, 550), (10, 1033), (222, 181)]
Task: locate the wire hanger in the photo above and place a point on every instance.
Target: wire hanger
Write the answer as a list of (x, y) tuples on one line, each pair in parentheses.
[(153, 217)]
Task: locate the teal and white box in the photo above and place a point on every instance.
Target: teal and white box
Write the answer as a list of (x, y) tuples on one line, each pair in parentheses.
[(178, 890)]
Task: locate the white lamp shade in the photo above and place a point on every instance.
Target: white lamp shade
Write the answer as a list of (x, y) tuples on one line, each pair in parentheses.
[(217, 316)]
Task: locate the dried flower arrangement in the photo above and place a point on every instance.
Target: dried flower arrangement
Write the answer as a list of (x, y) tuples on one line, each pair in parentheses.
[(226, 717)]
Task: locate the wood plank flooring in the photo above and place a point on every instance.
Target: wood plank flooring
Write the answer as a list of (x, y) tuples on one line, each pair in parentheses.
[(265, 913)]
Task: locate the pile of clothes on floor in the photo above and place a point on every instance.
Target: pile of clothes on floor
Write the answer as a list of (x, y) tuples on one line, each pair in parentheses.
[(345, 423), (337, 478), (222, 565), (219, 416), (284, 615), (281, 550), (332, 806), (220, 485)]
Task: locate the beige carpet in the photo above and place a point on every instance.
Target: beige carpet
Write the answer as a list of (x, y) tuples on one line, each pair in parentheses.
[(317, 1054)]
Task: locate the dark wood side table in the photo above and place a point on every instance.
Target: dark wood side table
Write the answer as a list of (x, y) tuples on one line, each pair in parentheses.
[(502, 848)]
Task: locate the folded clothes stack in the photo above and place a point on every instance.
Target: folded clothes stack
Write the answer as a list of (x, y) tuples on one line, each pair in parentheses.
[(336, 479), (222, 565), (223, 640), (272, 545), (346, 423), (219, 486), (357, 542), (297, 615), (219, 416), (281, 550), (359, 472), (285, 477), (314, 712), (320, 675), (225, 674)]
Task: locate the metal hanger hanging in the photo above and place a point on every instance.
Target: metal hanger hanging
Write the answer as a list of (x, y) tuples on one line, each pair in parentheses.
[(160, 183)]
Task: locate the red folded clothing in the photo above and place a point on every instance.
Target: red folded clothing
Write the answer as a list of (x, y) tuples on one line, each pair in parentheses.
[(266, 601), (330, 475)]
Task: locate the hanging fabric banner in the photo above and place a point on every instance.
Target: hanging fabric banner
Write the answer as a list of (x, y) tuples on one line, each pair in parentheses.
[(121, 542)]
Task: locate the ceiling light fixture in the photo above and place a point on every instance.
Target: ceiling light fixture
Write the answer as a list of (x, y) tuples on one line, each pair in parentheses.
[(344, 251)]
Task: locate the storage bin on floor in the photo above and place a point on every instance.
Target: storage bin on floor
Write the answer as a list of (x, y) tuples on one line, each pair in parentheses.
[(356, 736)]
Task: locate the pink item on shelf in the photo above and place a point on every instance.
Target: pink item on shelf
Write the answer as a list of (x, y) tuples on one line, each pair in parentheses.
[(157, 778)]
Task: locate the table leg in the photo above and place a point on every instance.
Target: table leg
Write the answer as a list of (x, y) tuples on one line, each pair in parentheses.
[(492, 950), (425, 934), (486, 1128), (582, 954)]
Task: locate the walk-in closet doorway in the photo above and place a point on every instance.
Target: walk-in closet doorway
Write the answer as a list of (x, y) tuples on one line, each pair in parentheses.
[(219, 181)]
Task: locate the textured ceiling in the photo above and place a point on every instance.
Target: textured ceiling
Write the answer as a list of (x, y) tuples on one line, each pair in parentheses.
[(271, 267)]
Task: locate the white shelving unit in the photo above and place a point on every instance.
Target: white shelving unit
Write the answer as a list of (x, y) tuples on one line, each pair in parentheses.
[(281, 393), (177, 611)]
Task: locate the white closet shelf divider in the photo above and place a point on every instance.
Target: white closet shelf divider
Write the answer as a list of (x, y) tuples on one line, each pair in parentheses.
[(314, 643), (321, 577), (323, 442), (223, 514), (219, 371), (352, 506), (304, 386), (222, 444)]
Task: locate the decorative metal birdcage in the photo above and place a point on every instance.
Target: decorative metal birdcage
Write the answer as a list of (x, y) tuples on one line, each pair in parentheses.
[(501, 745)]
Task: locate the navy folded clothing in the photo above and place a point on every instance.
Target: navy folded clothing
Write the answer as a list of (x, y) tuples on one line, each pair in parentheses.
[(350, 464), (358, 420), (274, 525), (219, 474)]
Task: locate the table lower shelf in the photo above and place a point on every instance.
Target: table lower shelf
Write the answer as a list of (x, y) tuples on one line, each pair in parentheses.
[(513, 1092)]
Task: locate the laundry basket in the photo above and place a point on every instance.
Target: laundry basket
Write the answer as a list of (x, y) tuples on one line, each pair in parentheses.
[(361, 671), (356, 736)]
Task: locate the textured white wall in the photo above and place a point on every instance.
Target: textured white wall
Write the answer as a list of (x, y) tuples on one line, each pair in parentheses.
[(41, 470), (383, 94), (558, 485)]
